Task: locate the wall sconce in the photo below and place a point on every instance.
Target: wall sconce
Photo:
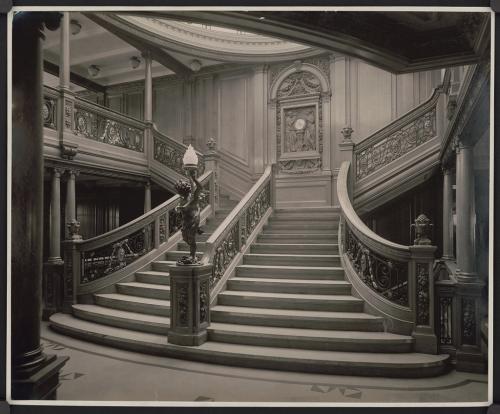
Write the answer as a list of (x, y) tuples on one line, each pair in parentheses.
[(135, 62), (195, 65), (93, 70), (75, 26)]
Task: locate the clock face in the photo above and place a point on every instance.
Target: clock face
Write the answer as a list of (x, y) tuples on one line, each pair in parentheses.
[(299, 124)]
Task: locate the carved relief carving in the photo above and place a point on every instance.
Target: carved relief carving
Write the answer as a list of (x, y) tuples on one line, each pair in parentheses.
[(182, 304), (204, 301), (468, 321), (68, 113), (49, 112), (422, 270), (300, 129), (299, 83)]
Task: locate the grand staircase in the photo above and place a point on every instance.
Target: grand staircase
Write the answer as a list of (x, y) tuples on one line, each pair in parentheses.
[(288, 307)]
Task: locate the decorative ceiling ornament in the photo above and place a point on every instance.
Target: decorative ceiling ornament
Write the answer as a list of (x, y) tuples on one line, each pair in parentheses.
[(135, 62), (93, 70), (75, 26)]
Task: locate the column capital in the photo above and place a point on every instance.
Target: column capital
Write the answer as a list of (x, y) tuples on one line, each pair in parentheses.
[(447, 169), (57, 171), (73, 172), (146, 54)]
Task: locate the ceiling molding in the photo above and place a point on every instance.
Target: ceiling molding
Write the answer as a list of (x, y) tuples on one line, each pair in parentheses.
[(156, 53), (378, 51)]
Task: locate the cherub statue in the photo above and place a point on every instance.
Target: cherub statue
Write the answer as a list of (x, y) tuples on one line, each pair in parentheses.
[(190, 215)]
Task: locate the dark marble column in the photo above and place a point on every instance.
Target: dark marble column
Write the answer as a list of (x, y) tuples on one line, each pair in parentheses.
[(34, 374)]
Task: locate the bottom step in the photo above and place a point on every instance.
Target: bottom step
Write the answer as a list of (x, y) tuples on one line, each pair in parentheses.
[(410, 365)]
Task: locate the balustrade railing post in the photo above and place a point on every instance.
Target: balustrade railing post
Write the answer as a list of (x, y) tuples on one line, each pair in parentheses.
[(421, 287), (274, 173), (157, 232)]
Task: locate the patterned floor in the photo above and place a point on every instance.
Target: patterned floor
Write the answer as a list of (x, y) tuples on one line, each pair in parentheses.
[(99, 373)]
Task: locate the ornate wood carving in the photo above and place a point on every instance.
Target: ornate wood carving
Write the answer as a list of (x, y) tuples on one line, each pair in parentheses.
[(49, 112), (468, 321), (204, 301), (422, 271)]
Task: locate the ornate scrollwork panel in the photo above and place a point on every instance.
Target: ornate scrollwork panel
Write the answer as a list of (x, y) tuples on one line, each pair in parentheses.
[(256, 211), (468, 321), (182, 304), (225, 252), (171, 155), (49, 112), (423, 294), (93, 126), (204, 301), (445, 314), (115, 256), (387, 277), (396, 144)]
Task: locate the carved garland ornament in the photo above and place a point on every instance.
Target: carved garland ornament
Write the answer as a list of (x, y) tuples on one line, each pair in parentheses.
[(422, 271)]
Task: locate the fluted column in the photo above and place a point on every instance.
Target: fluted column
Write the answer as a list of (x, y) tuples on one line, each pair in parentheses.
[(447, 214), (70, 198), (55, 218), (147, 197), (148, 87), (465, 212), (64, 63)]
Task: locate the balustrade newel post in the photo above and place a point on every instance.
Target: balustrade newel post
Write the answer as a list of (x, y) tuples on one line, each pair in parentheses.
[(211, 159), (421, 287)]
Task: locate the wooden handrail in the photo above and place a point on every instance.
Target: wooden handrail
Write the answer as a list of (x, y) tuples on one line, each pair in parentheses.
[(136, 224), (362, 231), (160, 135)]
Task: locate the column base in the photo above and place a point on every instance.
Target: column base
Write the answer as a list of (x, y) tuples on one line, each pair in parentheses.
[(465, 277), (425, 341), (470, 359), (40, 383), (195, 339)]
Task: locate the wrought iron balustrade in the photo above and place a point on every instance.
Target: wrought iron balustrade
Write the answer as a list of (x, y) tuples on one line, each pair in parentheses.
[(90, 261), (169, 152), (396, 280), (397, 139), (103, 125), (228, 240)]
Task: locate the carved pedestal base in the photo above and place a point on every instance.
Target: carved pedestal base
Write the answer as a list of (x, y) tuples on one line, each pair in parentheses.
[(189, 304), (425, 340), (470, 359), (39, 383)]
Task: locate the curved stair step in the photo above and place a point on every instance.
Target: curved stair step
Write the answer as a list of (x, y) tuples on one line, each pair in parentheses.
[(293, 318), (133, 303), (145, 290), (326, 340), (333, 303), (409, 365), (122, 319), (153, 277), (298, 286)]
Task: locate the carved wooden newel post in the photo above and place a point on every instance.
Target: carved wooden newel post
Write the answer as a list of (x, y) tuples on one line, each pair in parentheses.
[(189, 279), (422, 287)]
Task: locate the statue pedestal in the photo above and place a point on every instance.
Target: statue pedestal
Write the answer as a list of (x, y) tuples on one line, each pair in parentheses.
[(189, 304)]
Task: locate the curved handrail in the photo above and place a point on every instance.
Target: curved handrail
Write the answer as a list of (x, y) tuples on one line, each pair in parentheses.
[(136, 224), (399, 137), (99, 258), (230, 236), (361, 230)]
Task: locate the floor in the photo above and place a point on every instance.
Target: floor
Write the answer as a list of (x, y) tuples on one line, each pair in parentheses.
[(100, 373)]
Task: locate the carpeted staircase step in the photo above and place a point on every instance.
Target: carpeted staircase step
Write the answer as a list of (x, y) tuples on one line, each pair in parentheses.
[(289, 318), (321, 260), (153, 277), (333, 303), (133, 321), (289, 248), (290, 272), (145, 290), (297, 286), (411, 365), (326, 340), (130, 303)]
